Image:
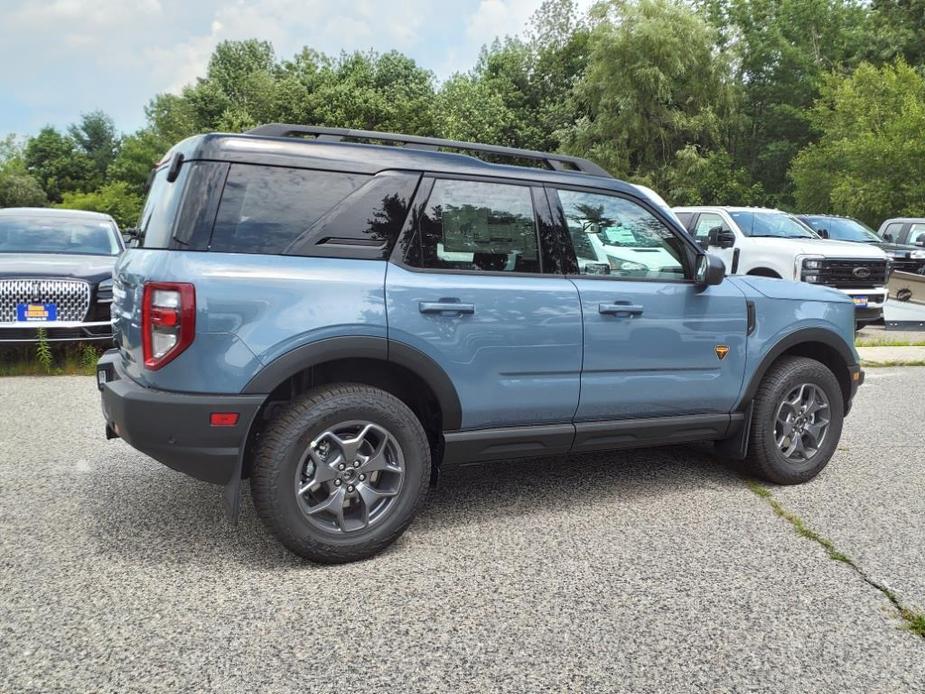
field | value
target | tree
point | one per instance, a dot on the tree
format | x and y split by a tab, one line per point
96	137
654	86
19	189
58	164
897	29
781	51
869	161
116	199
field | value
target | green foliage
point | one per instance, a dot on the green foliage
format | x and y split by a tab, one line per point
116	199
654	86
869	161
43	353
95	136
58	164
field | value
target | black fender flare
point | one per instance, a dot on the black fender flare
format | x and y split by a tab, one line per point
799	337
363	347
348	347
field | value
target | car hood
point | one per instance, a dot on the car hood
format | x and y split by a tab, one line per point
836	249
901	249
784	289
87	267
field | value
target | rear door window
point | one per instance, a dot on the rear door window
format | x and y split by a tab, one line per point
264	209
477	226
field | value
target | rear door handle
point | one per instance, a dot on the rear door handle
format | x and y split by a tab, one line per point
619	309
446	306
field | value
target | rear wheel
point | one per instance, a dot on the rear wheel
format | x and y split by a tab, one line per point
340	474
796	423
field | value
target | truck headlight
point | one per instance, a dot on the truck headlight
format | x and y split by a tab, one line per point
917	255
104	291
807	267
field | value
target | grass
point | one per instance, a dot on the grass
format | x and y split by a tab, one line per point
886	342
49	359
912	620
894	362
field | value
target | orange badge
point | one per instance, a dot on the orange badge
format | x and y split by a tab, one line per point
721	351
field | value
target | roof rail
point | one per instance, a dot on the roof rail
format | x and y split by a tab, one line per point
556	162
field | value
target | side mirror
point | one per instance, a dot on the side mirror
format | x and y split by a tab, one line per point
596	269
710	270
824	233
723	238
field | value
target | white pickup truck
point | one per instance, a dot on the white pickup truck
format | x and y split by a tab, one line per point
771	243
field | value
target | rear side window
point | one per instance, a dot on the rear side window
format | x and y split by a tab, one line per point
265	208
477	226
685	218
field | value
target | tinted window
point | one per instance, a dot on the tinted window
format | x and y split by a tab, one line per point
893	230
38	233
842	229
685	218
265	208
471	225
159	213
363	225
615	236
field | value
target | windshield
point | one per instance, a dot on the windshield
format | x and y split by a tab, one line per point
842	229
773	224
52	234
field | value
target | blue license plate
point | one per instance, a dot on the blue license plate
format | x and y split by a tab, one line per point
36	312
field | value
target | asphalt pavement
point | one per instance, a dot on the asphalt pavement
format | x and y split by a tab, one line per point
652	571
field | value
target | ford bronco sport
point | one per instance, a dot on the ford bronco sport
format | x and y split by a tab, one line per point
337	315
771	243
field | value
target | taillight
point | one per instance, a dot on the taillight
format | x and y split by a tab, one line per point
168	321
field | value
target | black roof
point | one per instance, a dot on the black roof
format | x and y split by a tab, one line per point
344	150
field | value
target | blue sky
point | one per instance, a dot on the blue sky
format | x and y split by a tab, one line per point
61	58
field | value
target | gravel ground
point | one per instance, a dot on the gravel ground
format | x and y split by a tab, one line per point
649	571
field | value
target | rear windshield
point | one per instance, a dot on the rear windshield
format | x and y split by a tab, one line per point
160	210
53	234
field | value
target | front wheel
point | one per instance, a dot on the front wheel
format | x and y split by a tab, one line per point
796	422
340	474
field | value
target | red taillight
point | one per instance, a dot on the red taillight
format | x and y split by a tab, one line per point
168	321
223	419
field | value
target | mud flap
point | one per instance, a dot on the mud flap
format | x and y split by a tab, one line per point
736	446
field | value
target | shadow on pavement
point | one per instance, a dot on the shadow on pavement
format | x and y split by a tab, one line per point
146	513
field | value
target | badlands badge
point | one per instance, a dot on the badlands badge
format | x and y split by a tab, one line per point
721	351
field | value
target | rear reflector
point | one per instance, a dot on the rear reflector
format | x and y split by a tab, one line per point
223	419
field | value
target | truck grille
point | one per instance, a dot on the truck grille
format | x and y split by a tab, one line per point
71	297
853	273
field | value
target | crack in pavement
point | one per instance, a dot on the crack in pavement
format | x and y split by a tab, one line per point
913	621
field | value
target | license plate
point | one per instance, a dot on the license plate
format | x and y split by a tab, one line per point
36	312
860	301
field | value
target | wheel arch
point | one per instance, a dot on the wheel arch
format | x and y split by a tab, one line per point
814	343
764	272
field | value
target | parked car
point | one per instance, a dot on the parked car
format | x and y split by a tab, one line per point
340	320
771	243
56	273
904	257
909	231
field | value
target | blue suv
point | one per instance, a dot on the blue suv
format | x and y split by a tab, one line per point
340	314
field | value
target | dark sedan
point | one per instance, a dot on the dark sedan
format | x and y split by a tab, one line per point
56	273
904	257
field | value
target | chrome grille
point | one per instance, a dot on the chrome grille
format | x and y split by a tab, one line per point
72	297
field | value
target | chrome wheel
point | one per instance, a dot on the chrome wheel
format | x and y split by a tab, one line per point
802	422
349	477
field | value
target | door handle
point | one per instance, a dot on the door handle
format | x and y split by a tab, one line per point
619	309
446	306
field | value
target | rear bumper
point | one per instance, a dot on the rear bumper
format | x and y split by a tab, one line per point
174	428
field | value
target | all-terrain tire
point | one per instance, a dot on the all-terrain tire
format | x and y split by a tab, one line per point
280	455
765	458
